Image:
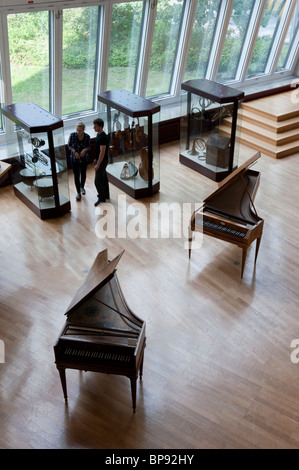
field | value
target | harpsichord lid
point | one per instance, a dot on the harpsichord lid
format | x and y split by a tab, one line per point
239	170
100	273
234	175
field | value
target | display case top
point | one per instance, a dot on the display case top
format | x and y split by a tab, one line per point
32	117
129	103
213	90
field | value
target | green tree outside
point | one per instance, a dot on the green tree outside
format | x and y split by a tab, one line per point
29	43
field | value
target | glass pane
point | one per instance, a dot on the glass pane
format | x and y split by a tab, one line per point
80	26
1	99
164	46
61	165
270	22
289	40
28	36
37	160
236	32
201	39
124	45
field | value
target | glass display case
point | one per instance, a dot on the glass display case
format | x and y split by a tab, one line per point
208	127
36	149
132	123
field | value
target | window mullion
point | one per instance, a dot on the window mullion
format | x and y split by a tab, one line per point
183	46
5	61
145	47
280	37
293	55
140	75
219	38
249	43
56	61
104	46
99	53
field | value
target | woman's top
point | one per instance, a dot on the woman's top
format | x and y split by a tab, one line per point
79	145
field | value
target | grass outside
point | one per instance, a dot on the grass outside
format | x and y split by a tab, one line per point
31	83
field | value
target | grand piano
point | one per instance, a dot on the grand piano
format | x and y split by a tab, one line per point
101	333
229	213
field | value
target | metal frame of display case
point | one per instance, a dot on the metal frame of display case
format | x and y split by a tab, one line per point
215	144
39	169
135	107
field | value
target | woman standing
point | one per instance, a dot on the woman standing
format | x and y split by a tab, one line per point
79	145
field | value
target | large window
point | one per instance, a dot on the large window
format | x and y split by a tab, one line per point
269	25
63	56
79	59
124	45
164	46
291	43
28	37
233	45
1	99
204	25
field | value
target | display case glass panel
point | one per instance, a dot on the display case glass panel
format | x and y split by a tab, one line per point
132	124
36	150
208	128
61	166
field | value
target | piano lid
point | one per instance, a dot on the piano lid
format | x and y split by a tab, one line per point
100	273
234	175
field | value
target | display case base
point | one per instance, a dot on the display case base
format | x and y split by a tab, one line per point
47	209
135	187
210	171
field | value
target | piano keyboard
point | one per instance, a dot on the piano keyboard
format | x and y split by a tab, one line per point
223	228
105	356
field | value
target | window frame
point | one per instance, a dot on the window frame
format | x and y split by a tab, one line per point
278	40
56	8
291	56
217	45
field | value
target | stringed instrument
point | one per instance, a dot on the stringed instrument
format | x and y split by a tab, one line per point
140	138
116	138
143	165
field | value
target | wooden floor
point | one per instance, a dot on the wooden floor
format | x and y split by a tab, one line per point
217	371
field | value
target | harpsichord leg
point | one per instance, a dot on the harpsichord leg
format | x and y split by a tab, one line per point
63	382
244	254
257	246
190	240
133	391
141	368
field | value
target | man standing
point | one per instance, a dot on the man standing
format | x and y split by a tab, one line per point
101	161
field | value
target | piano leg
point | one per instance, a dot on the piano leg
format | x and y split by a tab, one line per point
133	391
63	382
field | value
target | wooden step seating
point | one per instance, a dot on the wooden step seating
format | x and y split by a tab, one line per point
270	124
